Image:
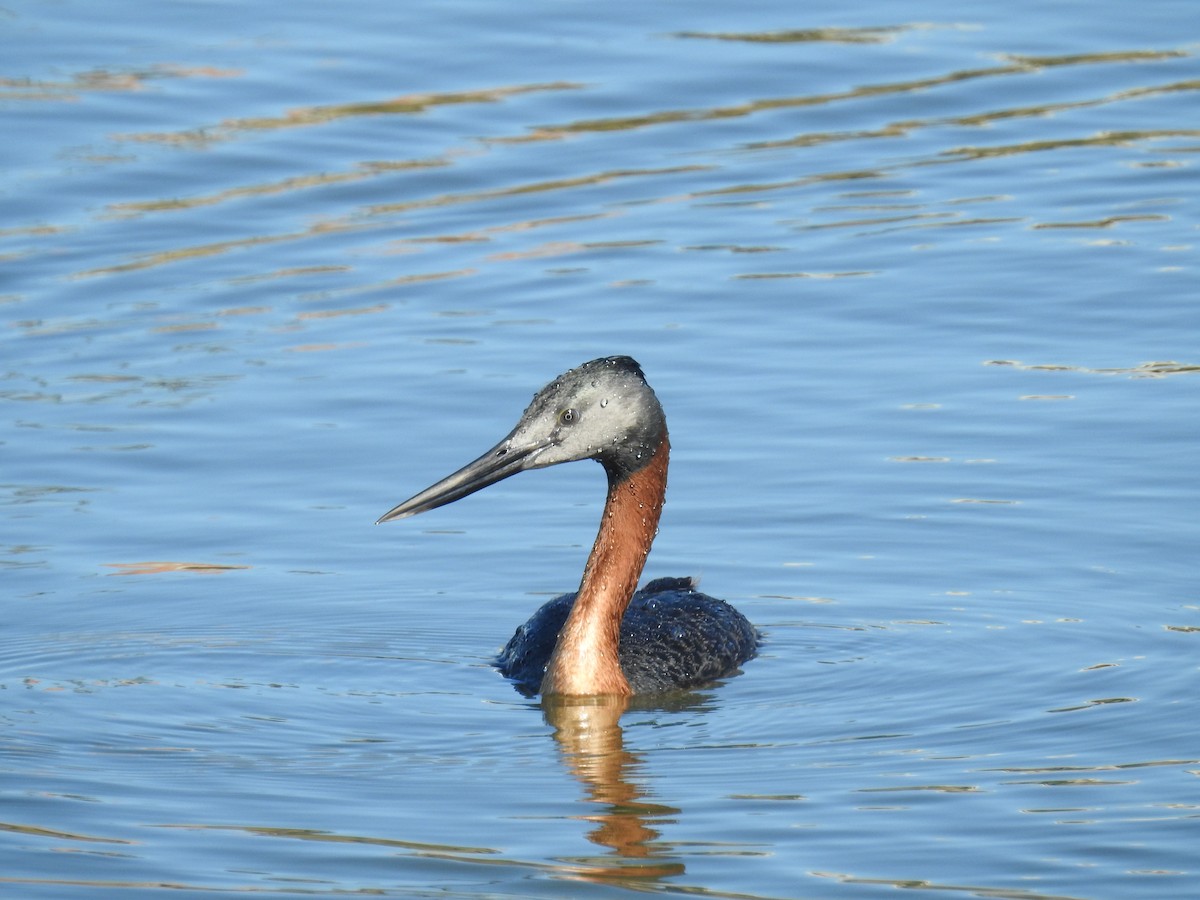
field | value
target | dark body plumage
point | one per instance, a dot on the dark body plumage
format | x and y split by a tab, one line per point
673	638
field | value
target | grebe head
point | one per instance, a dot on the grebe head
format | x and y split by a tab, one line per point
601	410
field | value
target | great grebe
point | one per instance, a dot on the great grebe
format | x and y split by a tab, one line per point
607	638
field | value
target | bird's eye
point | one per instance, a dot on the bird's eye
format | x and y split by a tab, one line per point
568	417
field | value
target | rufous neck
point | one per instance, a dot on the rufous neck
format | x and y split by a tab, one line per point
586	658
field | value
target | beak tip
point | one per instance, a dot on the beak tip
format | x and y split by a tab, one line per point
487	469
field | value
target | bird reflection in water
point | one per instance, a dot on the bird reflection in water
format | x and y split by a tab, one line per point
591	741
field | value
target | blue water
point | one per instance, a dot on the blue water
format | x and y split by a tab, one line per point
916	284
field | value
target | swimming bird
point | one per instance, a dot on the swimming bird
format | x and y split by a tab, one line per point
607	638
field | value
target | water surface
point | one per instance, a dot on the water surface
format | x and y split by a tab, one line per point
916	284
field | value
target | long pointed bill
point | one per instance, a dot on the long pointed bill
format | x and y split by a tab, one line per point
497	464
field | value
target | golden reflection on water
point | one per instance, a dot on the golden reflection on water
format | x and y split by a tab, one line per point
1103	139
150	260
160	567
101	81
530	187
300	182
967	890
1142	370
307	116
61	835
1024	65
355	222
380	215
